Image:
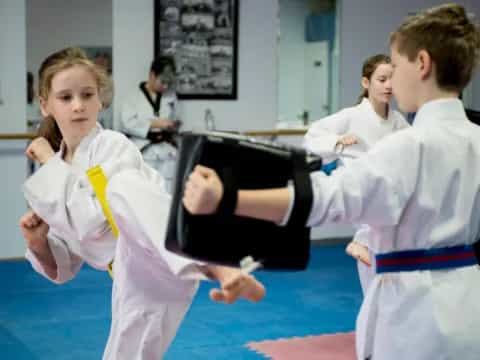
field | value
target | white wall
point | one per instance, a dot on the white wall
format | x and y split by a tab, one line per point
365	28
132	46
12	66
256	106
55	24
291	54
12	120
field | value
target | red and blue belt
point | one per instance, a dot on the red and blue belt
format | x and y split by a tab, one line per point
431	259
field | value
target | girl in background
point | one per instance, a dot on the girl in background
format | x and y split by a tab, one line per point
350	132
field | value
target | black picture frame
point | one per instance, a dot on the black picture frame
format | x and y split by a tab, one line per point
202	37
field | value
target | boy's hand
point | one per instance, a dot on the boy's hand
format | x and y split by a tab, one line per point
359	252
203	191
40	150
235	284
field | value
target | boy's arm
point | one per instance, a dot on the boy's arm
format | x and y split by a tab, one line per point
268	204
373	189
204	190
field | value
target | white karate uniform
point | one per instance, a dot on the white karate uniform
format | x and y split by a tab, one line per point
369	127
136	116
152	288
360	120
418	189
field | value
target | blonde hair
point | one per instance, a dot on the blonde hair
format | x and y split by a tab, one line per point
369	67
52	65
449	37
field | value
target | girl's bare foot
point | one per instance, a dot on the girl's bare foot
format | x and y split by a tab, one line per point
239	286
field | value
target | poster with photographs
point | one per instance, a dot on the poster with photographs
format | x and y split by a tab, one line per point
202	37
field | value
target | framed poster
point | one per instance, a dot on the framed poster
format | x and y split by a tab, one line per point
202	37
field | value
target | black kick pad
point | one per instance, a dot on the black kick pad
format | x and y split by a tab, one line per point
225	238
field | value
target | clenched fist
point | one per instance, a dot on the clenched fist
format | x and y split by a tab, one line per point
35	231
40	150
203	191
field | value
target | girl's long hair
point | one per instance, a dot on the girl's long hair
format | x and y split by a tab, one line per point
59	61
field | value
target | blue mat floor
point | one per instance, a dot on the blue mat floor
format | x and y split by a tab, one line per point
40	320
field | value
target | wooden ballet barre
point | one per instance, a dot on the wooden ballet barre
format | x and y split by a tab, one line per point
19	136
280	132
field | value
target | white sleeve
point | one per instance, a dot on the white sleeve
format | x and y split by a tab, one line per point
372	189
141	207
68	264
62	195
323	134
132	121
362	235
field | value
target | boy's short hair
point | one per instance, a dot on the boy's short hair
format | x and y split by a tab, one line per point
450	38
160	63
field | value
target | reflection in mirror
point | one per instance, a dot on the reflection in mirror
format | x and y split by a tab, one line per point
308	59
55	24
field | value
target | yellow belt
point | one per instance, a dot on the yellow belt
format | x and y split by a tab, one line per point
99	182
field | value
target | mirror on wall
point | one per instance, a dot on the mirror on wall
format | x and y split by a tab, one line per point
55	24
308	60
